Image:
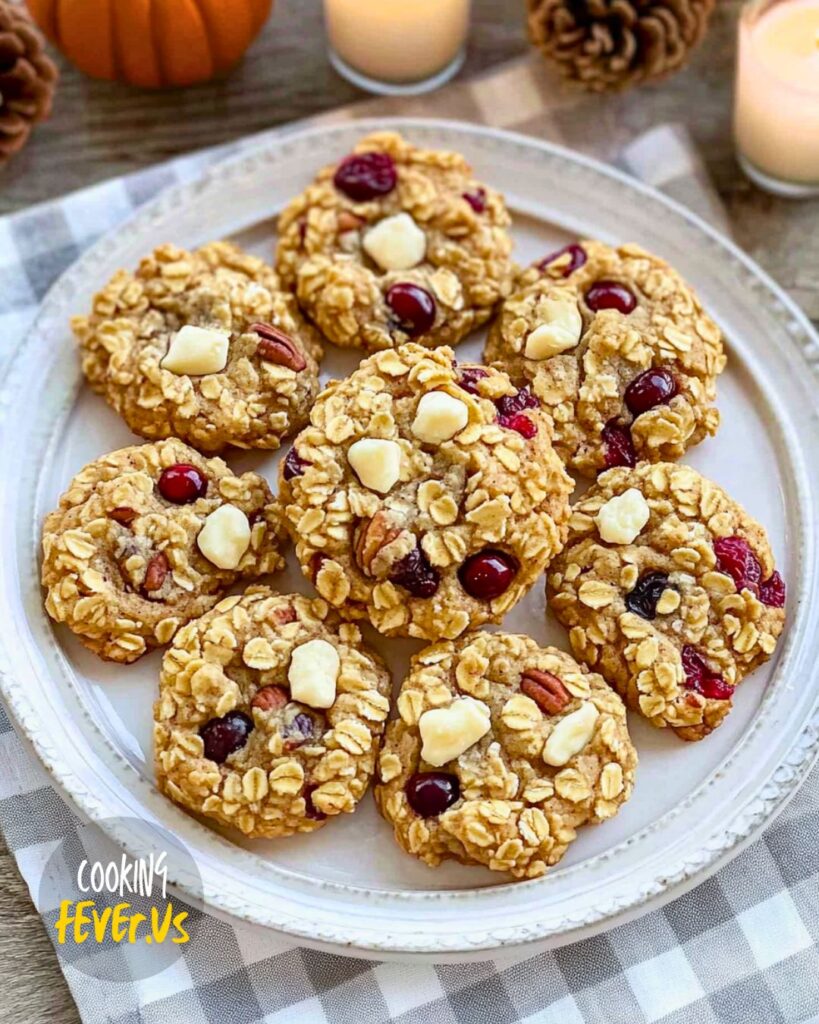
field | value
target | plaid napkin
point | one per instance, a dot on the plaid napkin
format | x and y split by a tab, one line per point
741	947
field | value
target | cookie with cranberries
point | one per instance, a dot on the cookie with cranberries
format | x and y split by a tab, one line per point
424	495
669	589
204	346
270	714
618	349
147	538
500	752
395	244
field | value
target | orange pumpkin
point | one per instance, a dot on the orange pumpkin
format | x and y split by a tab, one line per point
152	43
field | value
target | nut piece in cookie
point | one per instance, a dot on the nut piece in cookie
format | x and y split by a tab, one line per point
204	346
668	588
270	714
618	349
501	751
149	537
424	496
396	243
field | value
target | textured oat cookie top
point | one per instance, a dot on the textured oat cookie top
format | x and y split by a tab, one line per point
618	349
173	349
269	714
550	752
387	217
125	566
668	588
424	495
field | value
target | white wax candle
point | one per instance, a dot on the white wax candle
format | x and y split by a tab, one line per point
397	40
777	96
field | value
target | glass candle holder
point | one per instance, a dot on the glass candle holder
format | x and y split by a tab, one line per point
397	47
776	108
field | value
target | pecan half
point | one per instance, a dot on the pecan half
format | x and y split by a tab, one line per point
270	698
546	690
277	347
373	534
123	515
156	572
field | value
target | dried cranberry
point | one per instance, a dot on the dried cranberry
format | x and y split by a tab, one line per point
182	484
431	793
642	600
772	591
522	424
477	200
577	256
298	730
224	736
470	375
618	448
653	387
294	465
510	405
702	679
610	295
413	308
488	574
365	176
736	559
310	810
416	574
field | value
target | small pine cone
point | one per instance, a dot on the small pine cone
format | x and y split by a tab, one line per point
614	44
27	79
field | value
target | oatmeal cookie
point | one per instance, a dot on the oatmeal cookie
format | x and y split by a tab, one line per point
149	537
203	346
270	714
669	590
502	750
396	243
424	495
617	347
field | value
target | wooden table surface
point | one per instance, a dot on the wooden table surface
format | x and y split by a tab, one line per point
99	130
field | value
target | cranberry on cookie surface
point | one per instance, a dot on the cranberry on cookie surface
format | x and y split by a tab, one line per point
668	589
417	500
149	537
396	243
619	351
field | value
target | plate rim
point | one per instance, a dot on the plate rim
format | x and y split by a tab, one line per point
804	746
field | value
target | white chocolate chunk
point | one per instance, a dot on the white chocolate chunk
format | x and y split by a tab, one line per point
448	732
196	351
225	537
313	674
622	518
396	243
376	463
439	417
570	735
561	329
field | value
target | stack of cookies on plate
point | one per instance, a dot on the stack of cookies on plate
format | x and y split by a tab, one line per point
424	496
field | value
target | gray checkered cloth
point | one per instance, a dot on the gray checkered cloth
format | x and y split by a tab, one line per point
739	949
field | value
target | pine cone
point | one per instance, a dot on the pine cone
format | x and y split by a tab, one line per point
614	44
27	79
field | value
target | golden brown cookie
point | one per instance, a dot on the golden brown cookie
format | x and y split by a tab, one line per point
396	243
669	590
204	346
424	496
270	714
501	751
149	537
619	351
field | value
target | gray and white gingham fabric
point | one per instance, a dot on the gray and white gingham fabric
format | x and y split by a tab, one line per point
742	948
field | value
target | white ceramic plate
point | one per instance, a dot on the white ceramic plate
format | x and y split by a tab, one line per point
348	886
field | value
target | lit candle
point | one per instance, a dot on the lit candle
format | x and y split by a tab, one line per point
777	95
395	46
